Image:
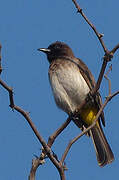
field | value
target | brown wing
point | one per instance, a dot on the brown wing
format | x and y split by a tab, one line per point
86	73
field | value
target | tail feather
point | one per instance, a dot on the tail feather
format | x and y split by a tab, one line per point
103	151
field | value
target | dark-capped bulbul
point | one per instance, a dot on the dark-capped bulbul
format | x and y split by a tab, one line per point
71	81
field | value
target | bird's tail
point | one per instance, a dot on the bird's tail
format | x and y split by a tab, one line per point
103	151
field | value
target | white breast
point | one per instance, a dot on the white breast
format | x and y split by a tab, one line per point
68	85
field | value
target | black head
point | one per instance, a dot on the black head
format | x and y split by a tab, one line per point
57	50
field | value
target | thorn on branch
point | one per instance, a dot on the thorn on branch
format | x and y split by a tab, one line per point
79	10
28	113
64	167
36	162
101	35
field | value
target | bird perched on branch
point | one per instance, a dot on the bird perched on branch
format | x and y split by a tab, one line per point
71	81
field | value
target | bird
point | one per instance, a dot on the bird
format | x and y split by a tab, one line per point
71	81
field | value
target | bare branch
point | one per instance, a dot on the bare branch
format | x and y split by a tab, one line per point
35	163
40	138
106	76
87	129
108	54
10	91
100	77
58	131
79	10
40	160
47	150
114	94
114	49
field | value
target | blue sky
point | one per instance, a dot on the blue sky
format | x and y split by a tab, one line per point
24	27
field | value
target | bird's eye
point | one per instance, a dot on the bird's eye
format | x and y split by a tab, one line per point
58	46
55	47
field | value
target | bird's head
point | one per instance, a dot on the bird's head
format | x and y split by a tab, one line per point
57	50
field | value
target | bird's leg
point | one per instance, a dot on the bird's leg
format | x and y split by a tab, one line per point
75	117
90	98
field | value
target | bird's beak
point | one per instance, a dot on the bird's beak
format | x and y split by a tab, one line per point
45	50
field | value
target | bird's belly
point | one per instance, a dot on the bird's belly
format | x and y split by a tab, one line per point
69	87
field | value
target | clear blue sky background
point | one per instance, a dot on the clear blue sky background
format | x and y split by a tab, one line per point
26	25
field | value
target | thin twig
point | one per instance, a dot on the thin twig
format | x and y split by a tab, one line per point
10	91
109	81
114	49
79	10
58	131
